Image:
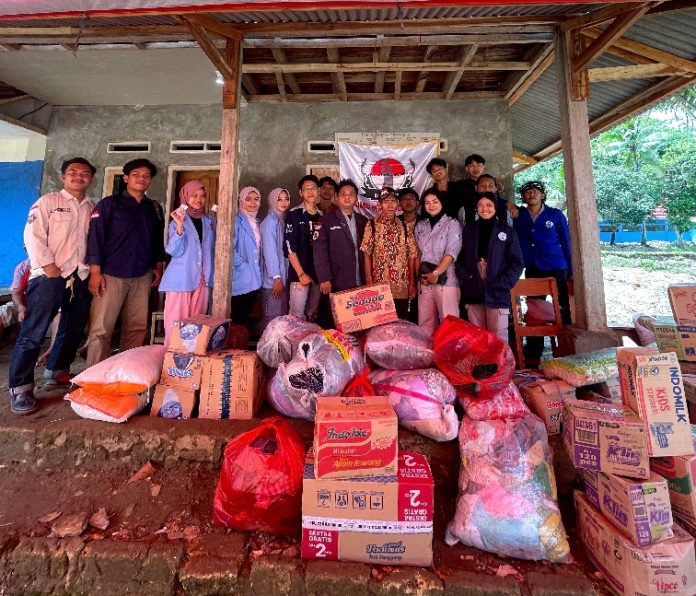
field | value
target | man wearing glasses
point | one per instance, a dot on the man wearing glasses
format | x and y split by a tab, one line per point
301	229
125	252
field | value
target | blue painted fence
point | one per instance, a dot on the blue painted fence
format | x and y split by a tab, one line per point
655	230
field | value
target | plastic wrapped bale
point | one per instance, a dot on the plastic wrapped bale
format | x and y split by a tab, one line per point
474	360
507	491
507	403
283	402
281	337
323	365
400	345
422	399
583	369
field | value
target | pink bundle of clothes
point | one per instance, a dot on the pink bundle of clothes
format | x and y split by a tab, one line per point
507	403
400	345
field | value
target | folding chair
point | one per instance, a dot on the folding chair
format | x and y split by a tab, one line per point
542	286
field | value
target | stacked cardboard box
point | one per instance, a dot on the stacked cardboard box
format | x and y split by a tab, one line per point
678	334
544	396
229	382
364	307
361	499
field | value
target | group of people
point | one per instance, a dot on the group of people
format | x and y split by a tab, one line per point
456	250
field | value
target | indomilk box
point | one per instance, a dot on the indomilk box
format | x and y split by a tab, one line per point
231	385
606	437
638	508
386	520
651	385
663	568
363	307
199	335
355	436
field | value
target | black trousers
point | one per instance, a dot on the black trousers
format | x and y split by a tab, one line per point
242	306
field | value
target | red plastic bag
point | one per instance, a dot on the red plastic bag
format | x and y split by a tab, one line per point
474	360
506	404
360	386
260	487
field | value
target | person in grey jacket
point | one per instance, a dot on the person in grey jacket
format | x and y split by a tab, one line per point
274	288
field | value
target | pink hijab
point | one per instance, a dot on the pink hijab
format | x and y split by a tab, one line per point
185	194
273	201
250	216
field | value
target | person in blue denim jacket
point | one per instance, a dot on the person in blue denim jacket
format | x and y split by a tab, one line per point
246	272
191	244
274	288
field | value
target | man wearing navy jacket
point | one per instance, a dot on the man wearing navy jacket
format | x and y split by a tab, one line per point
545	242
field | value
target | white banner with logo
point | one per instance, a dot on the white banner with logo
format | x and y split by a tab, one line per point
372	167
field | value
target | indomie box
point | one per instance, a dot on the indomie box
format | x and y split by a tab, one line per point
173	402
182	370
639	509
386	520
355	436
605	437
663	568
363	307
680	472
231	385
651	386
199	335
682	299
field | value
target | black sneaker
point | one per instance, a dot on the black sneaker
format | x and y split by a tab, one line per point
23	403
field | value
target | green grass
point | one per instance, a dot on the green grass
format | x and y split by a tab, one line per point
657	256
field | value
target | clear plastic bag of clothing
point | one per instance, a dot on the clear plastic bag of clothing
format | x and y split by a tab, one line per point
400	345
423	400
507	491
281	337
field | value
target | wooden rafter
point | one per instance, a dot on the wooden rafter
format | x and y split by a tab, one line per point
397	85
381	55
520	157
259	68
140	46
249	85
338	80
466	55
515	80
281	86
11	47
596	17
216	27
423	76
608	37
210	49
289	78
636	71
410	95
531	77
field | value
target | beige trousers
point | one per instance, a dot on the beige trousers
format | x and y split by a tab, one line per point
127	297
434	304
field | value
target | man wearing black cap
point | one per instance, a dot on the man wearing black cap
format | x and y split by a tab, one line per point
451	191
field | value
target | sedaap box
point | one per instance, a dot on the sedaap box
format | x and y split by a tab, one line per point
182	370
173	402
663	568
363	307
680	473
355	436
231	385
545	398
605	437
682	299
386	520
199	335
651	385
640	509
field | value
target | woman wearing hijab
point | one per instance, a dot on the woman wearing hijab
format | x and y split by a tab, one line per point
246	275
439	240
191	244
274	290
488	267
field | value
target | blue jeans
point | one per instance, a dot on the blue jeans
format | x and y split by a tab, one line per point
45	296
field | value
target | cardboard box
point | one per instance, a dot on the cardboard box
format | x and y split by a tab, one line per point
362	308
652	387
355	436
680	473
605	437
173	402
639	509
662	568
182	370
232	385
199	335
610	389
545	398
671	337
385	520
682	299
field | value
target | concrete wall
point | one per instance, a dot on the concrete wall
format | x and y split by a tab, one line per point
273	137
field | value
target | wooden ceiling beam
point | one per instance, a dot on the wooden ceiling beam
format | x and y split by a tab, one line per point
647	51
452	79
338	80
397	85
210	49
260	68
216	27
290	79
596	17
672	6
520	157
281	86
531	77
381	55
514	80
11	47
249	85
423	76
608	37
321	97
636	71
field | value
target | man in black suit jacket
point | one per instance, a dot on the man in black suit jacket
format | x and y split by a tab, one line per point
336	249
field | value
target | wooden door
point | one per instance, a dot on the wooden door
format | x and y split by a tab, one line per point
209	178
